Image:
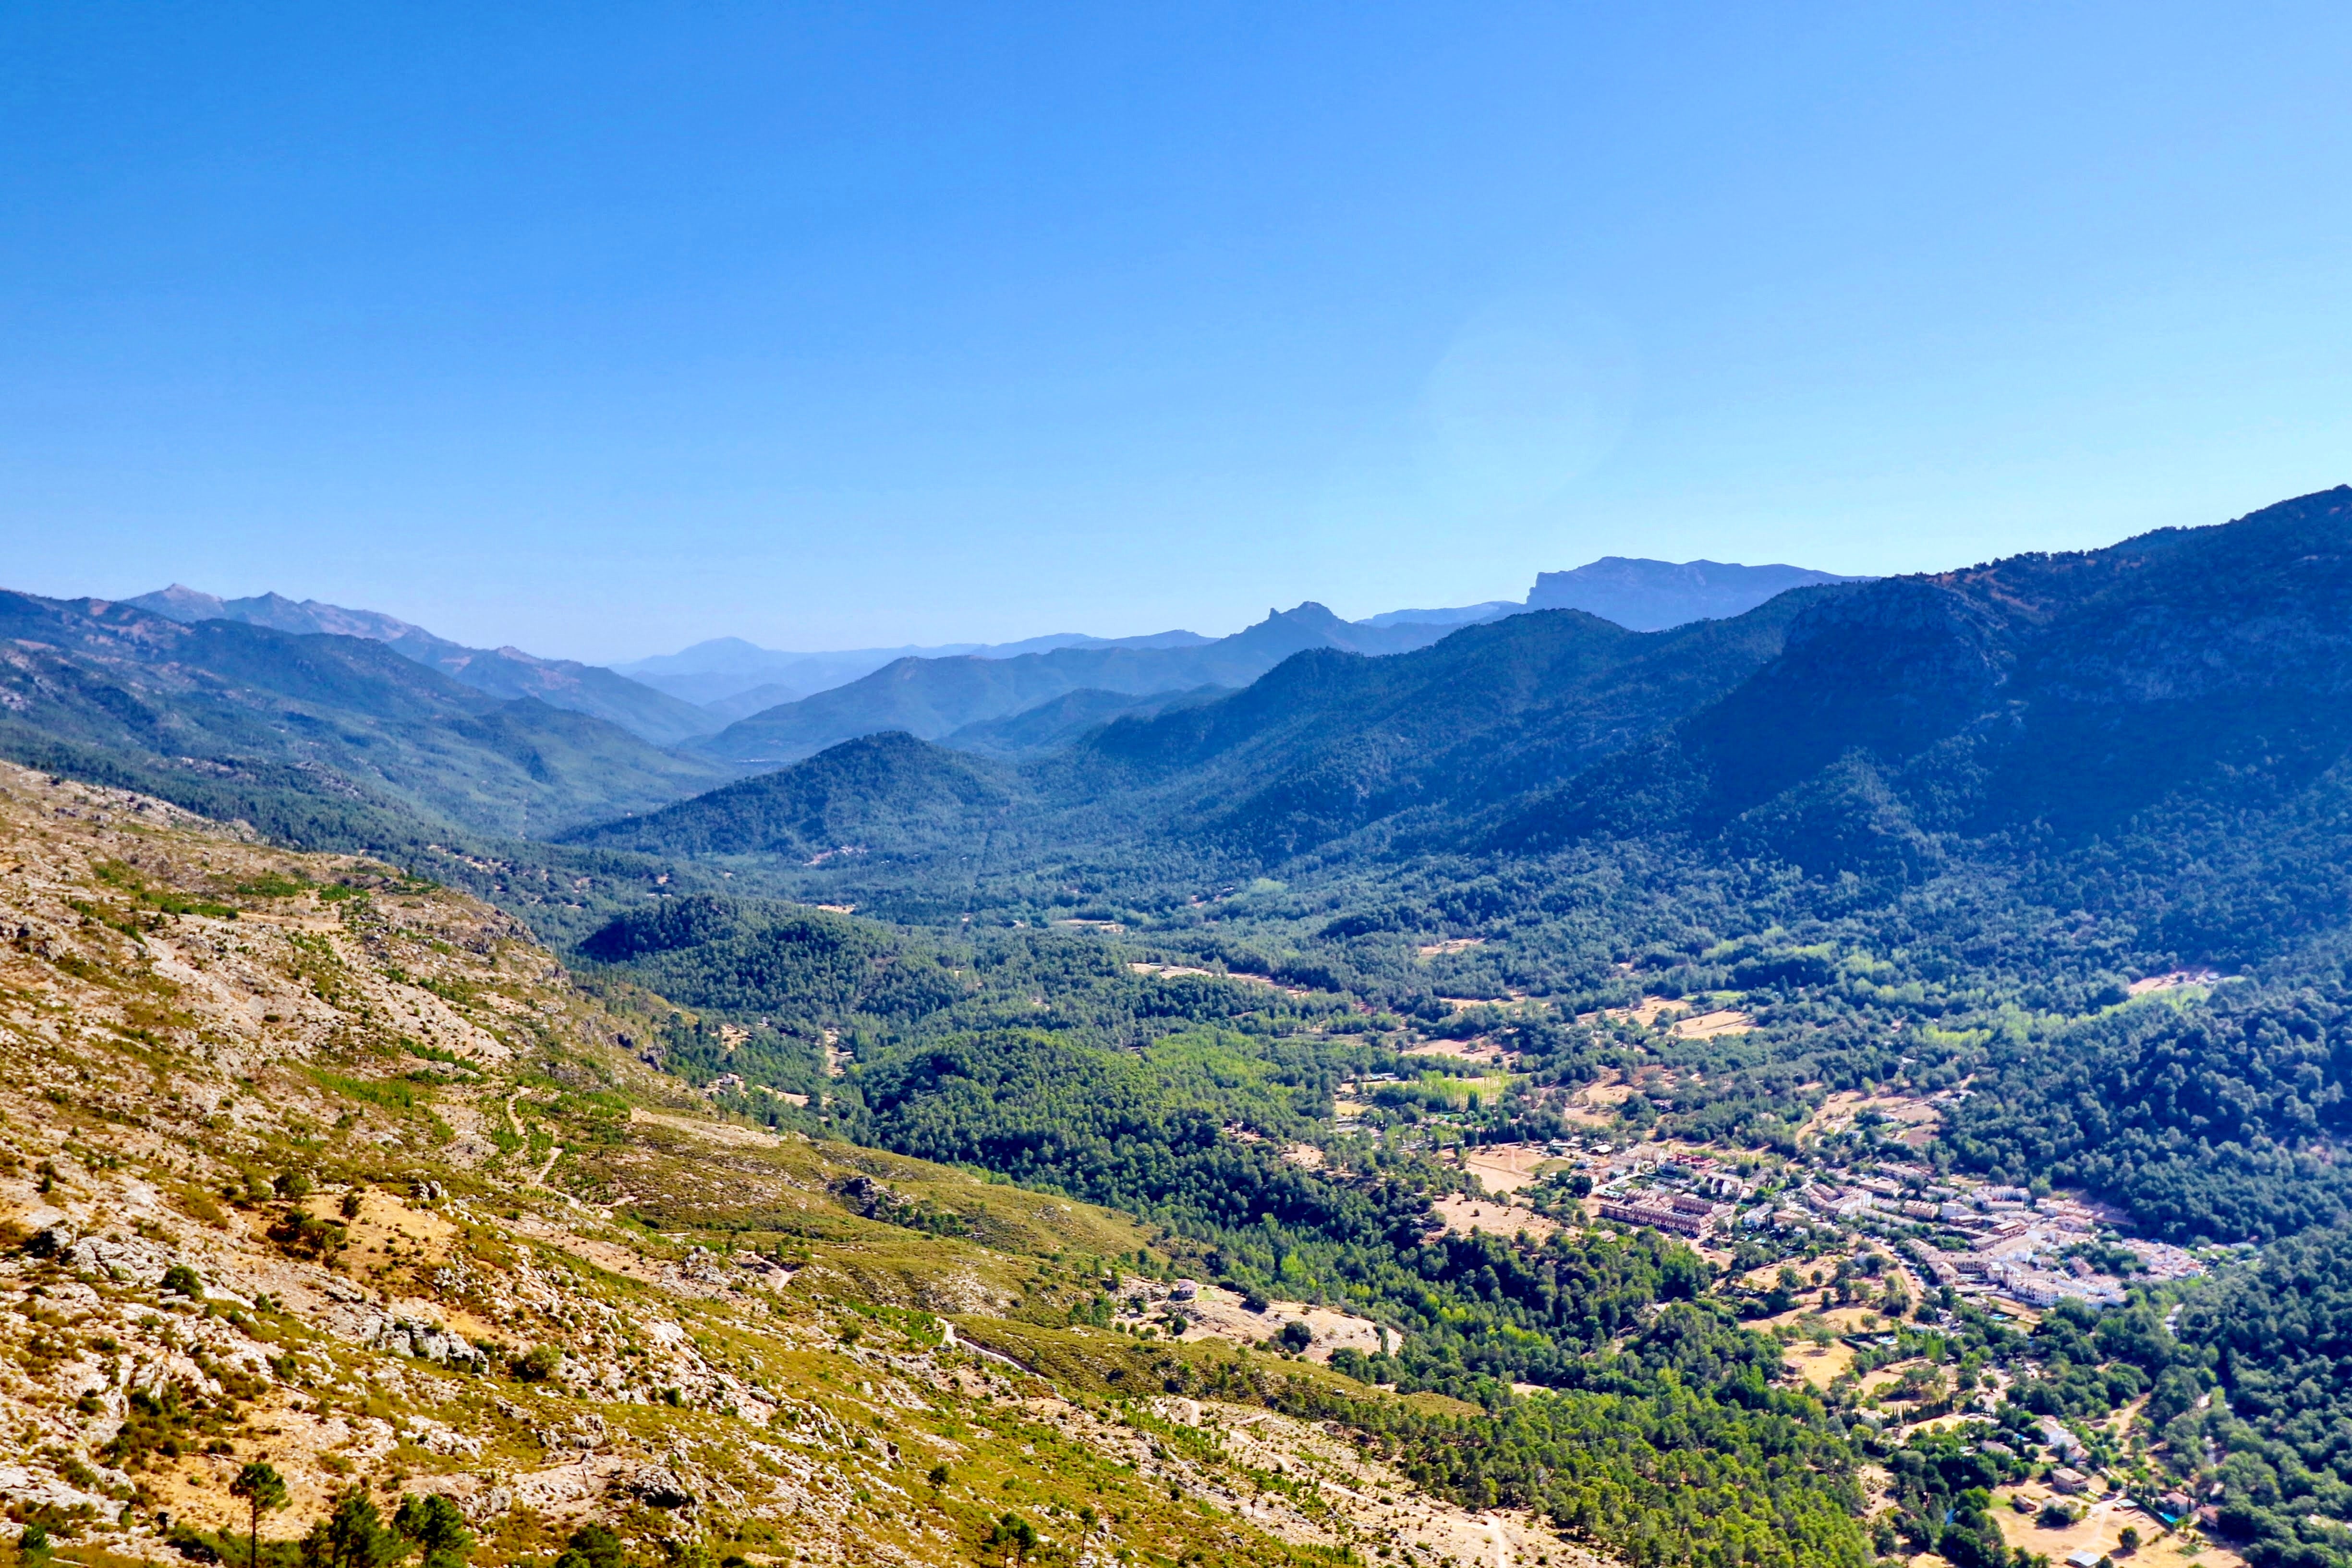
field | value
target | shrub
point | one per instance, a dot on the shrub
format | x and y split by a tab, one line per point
539	1364
308	1236
593	1546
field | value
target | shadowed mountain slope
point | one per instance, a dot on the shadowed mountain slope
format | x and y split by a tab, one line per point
932	697
2072	692
886	792
1327	743
342	718
507	672
2160	730
1060	720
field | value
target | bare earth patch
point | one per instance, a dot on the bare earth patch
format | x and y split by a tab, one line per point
1482	1051
2103	1520
1505	1168
1216	1312
1141	968
724	1132
1463	1215
1918	1119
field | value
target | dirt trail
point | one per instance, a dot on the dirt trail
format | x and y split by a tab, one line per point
725	1132
539	1178
949	1340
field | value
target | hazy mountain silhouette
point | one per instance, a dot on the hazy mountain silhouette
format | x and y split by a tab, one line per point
1654	595
933	697
508	672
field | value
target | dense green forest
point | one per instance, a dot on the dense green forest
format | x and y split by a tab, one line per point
2217	1119
2276	1343
1672	1450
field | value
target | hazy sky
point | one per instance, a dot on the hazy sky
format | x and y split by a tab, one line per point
601	328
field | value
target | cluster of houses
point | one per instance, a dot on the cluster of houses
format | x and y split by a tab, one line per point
2026	1250
2033	1255
1687	1195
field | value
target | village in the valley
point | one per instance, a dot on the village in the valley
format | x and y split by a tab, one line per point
1861	1266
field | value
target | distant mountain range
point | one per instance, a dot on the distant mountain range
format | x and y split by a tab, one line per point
935	699
1658	595
951	698
2161	730
508	672
730	676
290	728
1324	744
730	705
326	724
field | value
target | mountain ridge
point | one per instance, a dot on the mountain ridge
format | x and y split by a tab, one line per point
931	699
1647	595
2011	690
1643	594
508	672
368	724
718	673
1894	731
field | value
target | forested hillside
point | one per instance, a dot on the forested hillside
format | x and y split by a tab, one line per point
2151	733
507	672
2219	1119
342	718
932	697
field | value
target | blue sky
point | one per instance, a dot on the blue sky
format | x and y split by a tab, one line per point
600	330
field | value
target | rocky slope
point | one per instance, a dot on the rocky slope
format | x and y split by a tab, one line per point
303	1160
